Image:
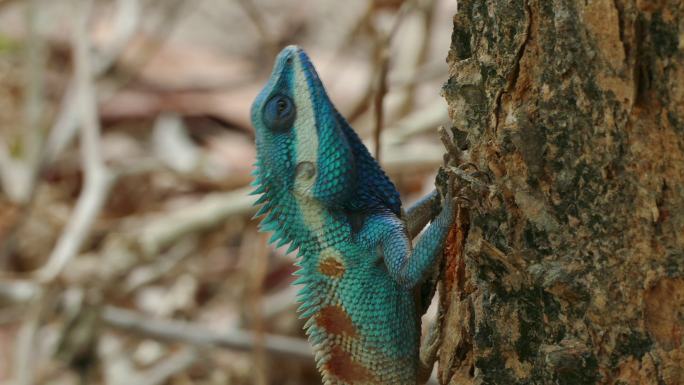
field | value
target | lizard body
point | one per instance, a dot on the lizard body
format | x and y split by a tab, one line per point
322	192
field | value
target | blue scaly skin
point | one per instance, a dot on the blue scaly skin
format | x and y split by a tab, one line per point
324	194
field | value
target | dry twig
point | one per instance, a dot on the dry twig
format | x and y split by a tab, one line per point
209	212
98	179
161	372
177	331
381	75
126	23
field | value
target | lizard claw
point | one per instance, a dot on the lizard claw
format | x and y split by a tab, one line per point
472	181
446	187
472	178
453	154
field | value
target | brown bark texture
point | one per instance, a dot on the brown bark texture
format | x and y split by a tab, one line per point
570	269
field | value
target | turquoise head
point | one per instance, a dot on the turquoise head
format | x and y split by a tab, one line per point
306	149
300	147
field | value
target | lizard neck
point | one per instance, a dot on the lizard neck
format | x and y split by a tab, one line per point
297	219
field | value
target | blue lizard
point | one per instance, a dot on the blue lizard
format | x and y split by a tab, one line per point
324	194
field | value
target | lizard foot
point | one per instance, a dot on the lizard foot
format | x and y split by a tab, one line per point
473	183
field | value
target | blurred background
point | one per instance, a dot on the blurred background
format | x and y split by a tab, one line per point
127	252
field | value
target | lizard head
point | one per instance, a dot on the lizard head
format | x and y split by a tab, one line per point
301	148
307	150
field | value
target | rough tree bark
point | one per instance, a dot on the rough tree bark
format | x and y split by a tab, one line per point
572	269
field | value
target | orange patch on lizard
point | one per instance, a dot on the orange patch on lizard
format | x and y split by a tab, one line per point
330	265
335	320
343	366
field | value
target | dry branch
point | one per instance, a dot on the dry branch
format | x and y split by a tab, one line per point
126	23
178	331
161	372
211	211
98	179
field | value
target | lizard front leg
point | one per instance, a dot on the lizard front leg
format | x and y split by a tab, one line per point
405	265
416	217
409	266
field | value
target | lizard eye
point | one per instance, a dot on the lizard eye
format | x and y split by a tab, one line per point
279	112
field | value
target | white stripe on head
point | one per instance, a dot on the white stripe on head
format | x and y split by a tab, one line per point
306	134
306	144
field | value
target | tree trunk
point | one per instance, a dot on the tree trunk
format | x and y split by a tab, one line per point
571	270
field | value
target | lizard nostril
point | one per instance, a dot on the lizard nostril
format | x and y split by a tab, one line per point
305	170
